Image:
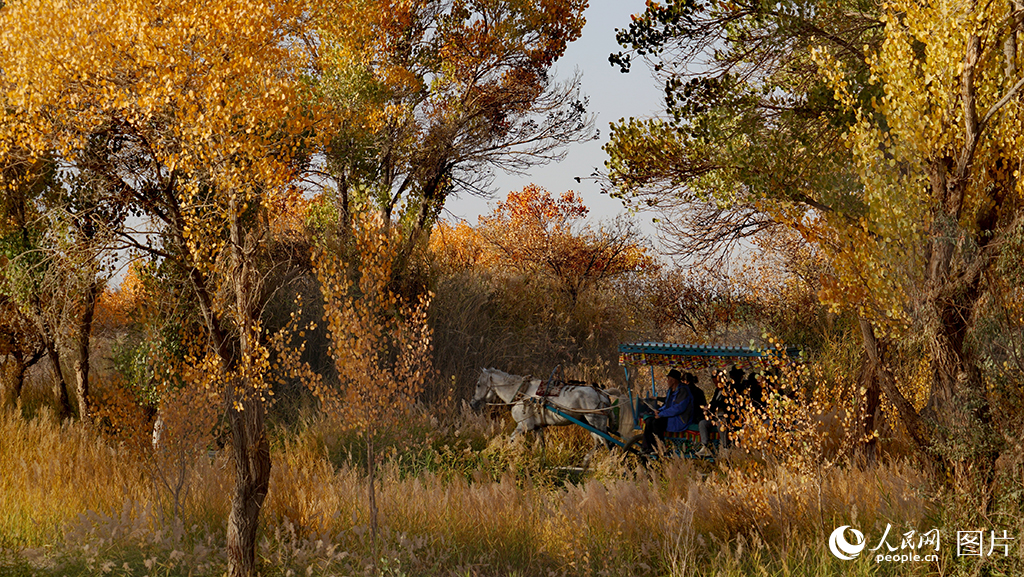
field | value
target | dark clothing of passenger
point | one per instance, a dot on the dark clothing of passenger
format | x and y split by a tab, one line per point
677	409
718	402
753	387
653	427
700	400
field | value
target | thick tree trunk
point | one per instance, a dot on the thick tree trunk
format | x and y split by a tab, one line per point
252	480
958	258
84	339
246	411
251	448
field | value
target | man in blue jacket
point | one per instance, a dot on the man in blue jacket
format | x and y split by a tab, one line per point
674	415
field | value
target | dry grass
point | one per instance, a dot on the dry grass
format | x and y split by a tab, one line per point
72	504
53	473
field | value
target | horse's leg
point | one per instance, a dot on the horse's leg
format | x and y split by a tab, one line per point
599	422
524	422
590	455
539	439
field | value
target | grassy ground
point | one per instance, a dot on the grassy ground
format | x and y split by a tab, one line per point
455	498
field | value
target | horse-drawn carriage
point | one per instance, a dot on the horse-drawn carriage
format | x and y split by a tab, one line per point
633	357
537	403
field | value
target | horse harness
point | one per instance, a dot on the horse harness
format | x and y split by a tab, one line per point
552	387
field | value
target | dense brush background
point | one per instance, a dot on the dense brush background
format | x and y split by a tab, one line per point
454	497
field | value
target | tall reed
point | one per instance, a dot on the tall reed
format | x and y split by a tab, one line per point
72	504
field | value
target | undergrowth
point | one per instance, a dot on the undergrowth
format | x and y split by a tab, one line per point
457	500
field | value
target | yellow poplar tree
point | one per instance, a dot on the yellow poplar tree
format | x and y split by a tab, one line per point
380	344
430	94
942	198
187	113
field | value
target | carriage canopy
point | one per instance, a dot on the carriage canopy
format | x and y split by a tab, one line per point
698	357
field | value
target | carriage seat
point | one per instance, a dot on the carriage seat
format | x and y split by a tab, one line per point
692	434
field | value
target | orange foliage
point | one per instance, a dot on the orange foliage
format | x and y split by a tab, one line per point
535	207
115	307
380	345
459	247
536	233
287	212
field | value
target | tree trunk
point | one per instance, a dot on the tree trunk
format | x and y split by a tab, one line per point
84	339
252	480
870	396
246	411
60	390
958	404
18	377
12	374
875	352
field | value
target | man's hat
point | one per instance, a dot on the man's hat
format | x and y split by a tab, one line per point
675	375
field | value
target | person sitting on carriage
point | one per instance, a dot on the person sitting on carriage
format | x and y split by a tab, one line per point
754	390
673	416
736	375
699	399
700	403
721	410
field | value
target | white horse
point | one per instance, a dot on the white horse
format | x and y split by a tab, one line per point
581	402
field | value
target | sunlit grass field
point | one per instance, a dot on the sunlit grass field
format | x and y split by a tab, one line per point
455	498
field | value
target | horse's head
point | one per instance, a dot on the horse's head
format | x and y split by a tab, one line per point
484	389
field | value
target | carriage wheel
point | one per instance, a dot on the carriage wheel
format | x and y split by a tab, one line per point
633	443
633	451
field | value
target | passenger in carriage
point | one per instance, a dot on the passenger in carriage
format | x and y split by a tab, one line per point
721	410
736	375
673	416
754	389
700	402
699	399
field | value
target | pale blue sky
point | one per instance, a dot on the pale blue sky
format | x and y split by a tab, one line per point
613	95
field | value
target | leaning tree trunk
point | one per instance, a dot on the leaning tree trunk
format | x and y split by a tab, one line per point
870	402
912	422
49	343
60	391
84	339
246	413
13	373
